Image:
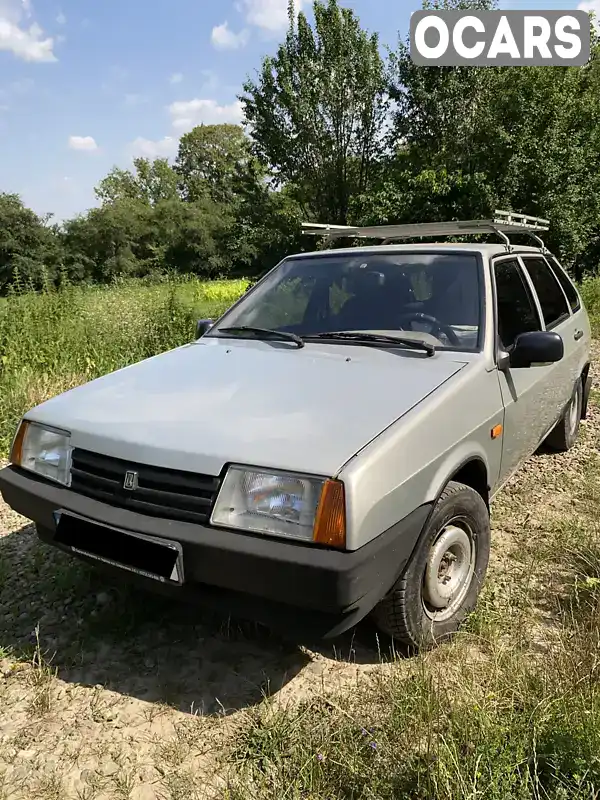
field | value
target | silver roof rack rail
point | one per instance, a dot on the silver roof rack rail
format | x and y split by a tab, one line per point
503	222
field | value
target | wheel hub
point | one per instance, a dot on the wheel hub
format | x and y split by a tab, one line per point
448	572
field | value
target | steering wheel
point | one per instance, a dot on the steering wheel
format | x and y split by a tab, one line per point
436	325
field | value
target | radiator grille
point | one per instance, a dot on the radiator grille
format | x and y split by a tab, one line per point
158	492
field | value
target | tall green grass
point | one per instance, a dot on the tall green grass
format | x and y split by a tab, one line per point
57	339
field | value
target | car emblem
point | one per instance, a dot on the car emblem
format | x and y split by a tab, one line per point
131	480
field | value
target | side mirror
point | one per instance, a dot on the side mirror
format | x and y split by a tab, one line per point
202	326
536	348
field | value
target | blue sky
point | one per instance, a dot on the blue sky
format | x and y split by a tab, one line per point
86	85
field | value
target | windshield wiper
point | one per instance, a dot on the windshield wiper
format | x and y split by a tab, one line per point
356	336
264	333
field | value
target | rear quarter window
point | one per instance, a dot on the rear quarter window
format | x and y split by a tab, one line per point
552	299
566	284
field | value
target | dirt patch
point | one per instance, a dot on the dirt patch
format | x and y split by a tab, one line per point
107	692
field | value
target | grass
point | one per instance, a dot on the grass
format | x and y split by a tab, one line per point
460	724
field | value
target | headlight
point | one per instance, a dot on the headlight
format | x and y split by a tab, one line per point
42	450
282	504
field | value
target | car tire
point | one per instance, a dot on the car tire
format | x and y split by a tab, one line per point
413	612
564	435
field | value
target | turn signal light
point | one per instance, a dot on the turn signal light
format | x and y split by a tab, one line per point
16	450
330	522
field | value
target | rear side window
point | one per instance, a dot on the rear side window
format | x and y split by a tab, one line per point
566	284
516	307
551	297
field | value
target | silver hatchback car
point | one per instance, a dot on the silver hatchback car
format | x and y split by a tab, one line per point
328	448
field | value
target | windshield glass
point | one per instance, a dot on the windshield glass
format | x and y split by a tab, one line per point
434	297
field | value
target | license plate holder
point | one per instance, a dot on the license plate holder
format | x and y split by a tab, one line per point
149	556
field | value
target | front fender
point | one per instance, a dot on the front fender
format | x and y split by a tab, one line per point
452	463
411	462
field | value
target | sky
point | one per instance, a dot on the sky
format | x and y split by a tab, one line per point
85	85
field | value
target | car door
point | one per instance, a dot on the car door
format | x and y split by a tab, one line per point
527	413
557	317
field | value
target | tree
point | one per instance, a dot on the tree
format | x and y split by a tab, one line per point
266	228
323	142
129	238
191	237
431	195
210	160
317	110
109	242
522	138
438	109
29	248
216	165
149	182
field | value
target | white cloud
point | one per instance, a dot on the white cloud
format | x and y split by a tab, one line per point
176	77
87	143
187	114
591	5
269	15
155	149
25	41
223	38
61	19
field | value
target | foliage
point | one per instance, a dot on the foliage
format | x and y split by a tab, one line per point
318	108
150	182
29	249
527	137
211	160
427	196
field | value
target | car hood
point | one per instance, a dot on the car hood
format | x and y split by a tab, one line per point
215	401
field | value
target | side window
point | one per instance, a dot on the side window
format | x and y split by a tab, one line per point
566	284
551	297
516	308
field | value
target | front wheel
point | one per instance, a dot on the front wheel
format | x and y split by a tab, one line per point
440	586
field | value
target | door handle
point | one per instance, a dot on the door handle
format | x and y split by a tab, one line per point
577	335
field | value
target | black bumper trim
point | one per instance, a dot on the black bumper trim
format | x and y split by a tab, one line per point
256	577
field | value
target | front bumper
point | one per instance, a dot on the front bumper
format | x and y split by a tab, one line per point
292	587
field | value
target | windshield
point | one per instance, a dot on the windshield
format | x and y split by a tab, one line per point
432	297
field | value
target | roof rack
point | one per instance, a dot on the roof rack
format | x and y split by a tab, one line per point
502	223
